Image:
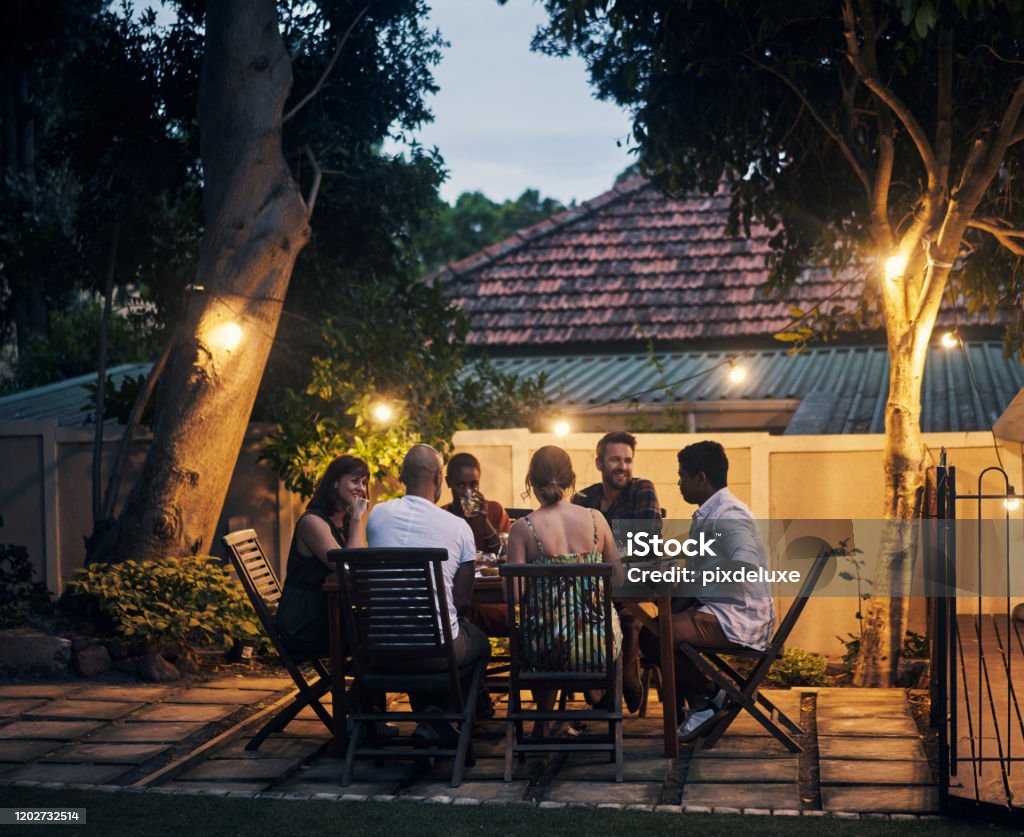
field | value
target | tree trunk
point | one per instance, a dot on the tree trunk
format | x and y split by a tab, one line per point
885	614
256	223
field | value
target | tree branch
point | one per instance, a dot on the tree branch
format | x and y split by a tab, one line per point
834	135
868	73
1005	235
944	108
330	66
317	177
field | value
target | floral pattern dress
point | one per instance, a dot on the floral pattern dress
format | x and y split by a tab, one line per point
560	613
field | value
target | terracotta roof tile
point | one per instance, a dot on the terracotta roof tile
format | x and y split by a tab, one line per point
632	265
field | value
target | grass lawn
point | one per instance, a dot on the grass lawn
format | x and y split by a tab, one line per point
142	815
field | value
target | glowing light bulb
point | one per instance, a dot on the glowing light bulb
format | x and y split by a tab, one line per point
949	340
894	266
227	336
562	428
1012	502
738	374
382	412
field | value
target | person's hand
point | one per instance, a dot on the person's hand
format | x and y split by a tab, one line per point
473	504
359	507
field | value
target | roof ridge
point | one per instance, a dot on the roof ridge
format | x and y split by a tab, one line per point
540	229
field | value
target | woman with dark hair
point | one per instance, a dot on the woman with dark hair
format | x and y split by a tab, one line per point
334	518
562	533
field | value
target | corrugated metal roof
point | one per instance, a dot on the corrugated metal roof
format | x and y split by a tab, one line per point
843	389
67	401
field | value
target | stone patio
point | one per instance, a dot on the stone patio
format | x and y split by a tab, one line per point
866	754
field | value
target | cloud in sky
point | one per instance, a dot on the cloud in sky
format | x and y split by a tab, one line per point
507	119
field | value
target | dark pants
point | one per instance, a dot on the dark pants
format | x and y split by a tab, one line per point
491	618
631	627
700	630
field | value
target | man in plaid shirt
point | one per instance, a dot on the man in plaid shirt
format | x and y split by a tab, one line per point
621	496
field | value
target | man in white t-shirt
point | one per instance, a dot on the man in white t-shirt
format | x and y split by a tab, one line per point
415	521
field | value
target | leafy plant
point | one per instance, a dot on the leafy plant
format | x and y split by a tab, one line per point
797	667
190	601
916	646
844	551
20	596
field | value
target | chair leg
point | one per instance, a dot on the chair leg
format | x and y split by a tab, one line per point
461	752
618	751
350	756
510	738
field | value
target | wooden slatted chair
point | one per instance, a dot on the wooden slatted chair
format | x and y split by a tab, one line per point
743	691
264	591
538	589
396	608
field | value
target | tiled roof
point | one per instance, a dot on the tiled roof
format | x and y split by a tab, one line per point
632	265
67	401
842	389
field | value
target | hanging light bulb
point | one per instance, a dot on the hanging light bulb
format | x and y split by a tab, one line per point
383	412
949	340
562	428
1012	501
737	373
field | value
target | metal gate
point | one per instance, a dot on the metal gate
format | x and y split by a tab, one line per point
977	650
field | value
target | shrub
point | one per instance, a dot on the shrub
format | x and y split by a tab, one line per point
797	667
20	596
191	600
915	647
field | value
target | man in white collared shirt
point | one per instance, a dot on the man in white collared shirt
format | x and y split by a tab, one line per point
736	617
415	521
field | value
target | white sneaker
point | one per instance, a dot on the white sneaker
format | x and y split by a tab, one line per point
697	723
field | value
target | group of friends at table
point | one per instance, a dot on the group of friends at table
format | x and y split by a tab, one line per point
568	527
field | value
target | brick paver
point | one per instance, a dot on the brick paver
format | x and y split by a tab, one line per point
101	710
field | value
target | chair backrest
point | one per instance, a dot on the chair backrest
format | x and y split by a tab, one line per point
793	614
563	625
395	603
258	580
515	514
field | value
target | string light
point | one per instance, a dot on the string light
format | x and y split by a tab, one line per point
737	373
895	266
562	428
1012	501
949	340
383	412
227	336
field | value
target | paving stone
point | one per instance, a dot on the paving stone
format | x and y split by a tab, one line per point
51	730
104	710
37	690
881	798
108	753
868	728
230	787
874	749
626	793
90	774
246	770
302	728
633	770
329	770
264	684
153	732
13	707
858	772
482	791
186	712
704	769
292	748
124	692
206	695
767	795
25	750
746	746
359	788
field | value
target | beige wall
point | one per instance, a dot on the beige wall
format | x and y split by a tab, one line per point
779	477
46	495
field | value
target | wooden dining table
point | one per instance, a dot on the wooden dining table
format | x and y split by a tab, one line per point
490	590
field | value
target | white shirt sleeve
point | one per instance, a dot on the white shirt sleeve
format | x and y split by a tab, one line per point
467	544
